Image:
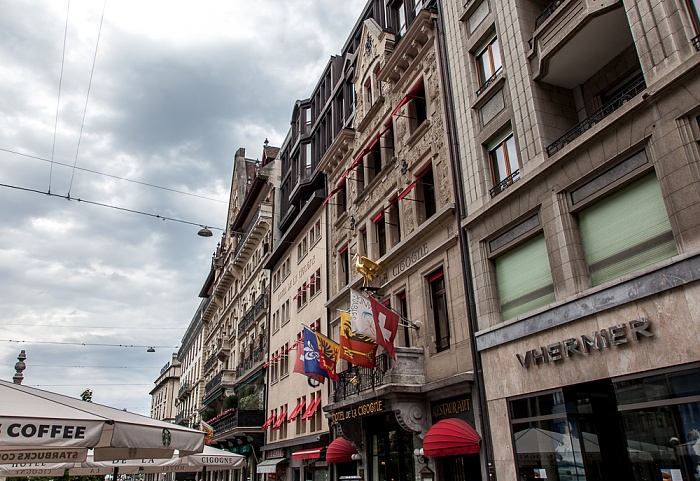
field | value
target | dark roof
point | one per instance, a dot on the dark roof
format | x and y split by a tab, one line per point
269	154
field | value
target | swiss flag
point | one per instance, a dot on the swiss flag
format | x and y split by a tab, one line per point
387	323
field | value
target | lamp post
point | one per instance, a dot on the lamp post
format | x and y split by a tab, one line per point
19	367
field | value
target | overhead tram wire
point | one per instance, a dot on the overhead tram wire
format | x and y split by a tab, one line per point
18	341
87	96
97	327
125	179
58	100
124	209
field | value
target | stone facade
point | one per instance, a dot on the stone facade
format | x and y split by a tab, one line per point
163	395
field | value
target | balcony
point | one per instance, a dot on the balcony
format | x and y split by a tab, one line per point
236	421
223	349
253	360
615	103
210	363
184	390
388	375
696	42
252	315
222	379
258	225
504	184
573	39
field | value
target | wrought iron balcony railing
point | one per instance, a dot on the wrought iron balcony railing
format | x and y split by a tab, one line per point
504	184
184	390
696	42
252	314
238	419
548	11
251	361
357	379
489	81
213	384
607	109
210	363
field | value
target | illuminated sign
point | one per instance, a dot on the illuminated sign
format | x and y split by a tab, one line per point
365	409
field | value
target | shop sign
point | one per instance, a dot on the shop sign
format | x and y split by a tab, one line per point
616	335
366	409
275	453
457	407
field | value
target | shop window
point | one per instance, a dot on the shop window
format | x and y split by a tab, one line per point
626	231
391	452
524	278
438	297
380	233
417	108
503	159
488	61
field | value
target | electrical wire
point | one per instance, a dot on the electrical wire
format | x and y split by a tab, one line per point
113	176
58	100
97	327
87	96
98	367
85	344
100	204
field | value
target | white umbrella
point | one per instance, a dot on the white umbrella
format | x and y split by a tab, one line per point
41	426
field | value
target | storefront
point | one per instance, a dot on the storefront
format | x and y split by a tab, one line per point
638	427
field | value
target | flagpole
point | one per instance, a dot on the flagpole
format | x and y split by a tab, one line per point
407	324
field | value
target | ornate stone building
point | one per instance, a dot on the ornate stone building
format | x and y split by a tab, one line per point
164	394
191	388
578	125
391	200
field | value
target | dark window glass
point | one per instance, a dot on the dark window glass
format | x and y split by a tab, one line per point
439	297
428	184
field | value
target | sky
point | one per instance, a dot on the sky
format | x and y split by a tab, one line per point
155	98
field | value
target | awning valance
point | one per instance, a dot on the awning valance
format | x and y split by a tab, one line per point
340	451
314	453
451	437
269	466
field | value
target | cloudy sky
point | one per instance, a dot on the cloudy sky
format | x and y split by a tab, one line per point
177	87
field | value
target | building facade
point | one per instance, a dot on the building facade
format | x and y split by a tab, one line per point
578	128
191	388
392	202
164	394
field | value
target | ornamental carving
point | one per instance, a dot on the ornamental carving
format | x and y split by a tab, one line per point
411	417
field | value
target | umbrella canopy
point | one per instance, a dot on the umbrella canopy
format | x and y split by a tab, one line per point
41	426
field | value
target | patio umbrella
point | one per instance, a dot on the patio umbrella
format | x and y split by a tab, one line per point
41	426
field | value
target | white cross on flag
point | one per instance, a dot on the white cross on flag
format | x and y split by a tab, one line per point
386	322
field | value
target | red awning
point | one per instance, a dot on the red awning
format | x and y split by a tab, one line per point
340	451
407	190
314	453
280	420
311	409
269	421
297	410
408	97
451	437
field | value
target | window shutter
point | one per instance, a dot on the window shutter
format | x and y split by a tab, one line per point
524	278
626	231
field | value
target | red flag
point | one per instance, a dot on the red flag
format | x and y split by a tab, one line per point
387	323
356	348
328	351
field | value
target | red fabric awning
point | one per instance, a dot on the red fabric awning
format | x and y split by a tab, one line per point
280	420
297	410
408	97
269	421
311	409
314	453
451	437
407	190
340	451
378	217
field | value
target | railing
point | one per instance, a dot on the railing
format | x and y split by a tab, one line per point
184	389
357	379
489	81
247	232
696	42
211	362
611	106
238	419
213	384
260	306
547	12
257	356
504	184
252	314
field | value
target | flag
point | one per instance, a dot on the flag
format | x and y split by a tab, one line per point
328	355
361	317
208	430
355	348
312	358
386	323
299	362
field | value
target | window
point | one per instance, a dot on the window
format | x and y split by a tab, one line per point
284	361
503	158
488	61
403	312
368	92
342	199
694	10
401	19
315	233
343	267
380	231
626	231
373	161
363	241
524	279
418	108
273	368
425	188
438	296
315	284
